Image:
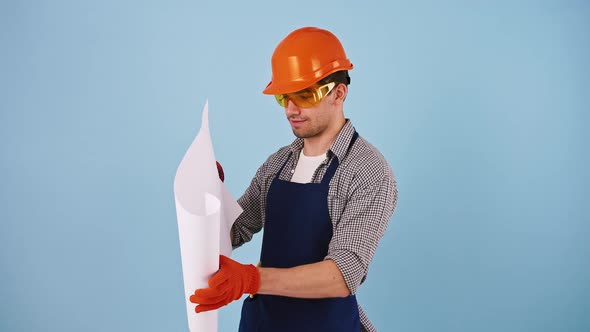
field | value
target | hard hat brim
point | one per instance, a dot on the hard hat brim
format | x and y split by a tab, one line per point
277	87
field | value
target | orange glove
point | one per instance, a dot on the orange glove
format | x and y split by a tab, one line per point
228	284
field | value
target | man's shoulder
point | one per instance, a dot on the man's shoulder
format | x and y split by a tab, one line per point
276	159
367	161
280	154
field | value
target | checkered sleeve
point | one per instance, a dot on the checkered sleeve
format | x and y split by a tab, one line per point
364	220
249	222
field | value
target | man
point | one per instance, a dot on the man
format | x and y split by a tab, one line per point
324	202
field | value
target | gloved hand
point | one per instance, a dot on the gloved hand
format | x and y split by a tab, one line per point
220	171
228	284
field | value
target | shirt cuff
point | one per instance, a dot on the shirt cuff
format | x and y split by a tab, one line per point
350	266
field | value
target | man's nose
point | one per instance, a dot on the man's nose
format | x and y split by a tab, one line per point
291	108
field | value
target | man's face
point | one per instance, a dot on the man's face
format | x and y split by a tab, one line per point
313	121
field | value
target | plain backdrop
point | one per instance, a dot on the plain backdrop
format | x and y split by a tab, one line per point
480	107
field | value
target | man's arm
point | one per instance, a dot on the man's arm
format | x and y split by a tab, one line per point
311	281
363	223
249	222
317	280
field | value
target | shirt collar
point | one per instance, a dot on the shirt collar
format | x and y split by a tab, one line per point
338	148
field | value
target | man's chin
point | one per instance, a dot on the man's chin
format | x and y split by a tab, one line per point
299	134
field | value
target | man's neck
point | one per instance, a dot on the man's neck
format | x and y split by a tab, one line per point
315	146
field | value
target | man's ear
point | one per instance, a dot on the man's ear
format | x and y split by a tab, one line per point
340	92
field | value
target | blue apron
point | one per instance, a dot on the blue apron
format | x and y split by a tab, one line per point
297	231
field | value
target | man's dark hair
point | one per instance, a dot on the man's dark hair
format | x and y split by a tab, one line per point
337	77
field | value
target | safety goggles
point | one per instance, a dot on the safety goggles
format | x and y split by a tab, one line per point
308	97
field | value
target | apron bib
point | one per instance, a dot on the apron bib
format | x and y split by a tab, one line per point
297	231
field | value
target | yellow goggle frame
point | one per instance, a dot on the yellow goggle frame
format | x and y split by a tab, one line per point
307	97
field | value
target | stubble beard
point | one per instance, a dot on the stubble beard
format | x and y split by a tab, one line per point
308	132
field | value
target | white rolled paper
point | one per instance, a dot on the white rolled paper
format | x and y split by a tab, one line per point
205	212
199	241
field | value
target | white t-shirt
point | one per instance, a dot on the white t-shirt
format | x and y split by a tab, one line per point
306	166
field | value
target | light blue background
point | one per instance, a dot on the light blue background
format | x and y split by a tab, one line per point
481	108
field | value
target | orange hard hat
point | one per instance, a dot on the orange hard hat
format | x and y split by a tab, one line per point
303	58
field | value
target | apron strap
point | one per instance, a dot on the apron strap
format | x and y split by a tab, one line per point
335	163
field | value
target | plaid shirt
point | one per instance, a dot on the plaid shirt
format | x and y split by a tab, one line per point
361	199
